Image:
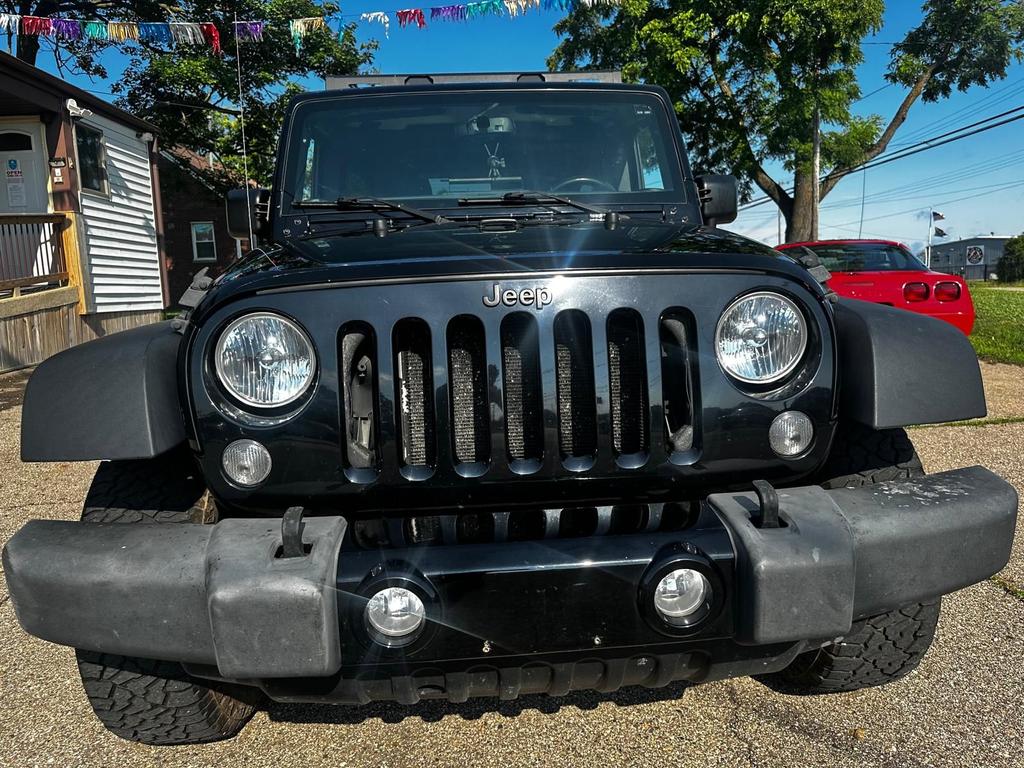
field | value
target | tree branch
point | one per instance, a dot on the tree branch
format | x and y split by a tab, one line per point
768	185
836	174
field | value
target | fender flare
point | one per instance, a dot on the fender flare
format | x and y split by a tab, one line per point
112	398
901	368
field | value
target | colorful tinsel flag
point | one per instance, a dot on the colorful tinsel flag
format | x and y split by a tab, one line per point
212	35
302	28
155	32
187	33
35	25
485	8
411	16
378	17
249	31
9	23
96	30
120	31
517	7
67	29
448	13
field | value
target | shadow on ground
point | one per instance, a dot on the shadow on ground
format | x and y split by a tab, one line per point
432	711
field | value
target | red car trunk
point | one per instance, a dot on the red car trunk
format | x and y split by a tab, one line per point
886	272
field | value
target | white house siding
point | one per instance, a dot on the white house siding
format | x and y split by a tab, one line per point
123	263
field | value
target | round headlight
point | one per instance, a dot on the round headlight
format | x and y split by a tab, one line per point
760	338
265	360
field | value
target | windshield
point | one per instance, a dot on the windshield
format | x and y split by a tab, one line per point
433	149
865	257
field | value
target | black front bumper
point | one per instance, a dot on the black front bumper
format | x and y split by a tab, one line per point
530	616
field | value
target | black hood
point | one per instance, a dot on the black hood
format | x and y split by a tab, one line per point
428	253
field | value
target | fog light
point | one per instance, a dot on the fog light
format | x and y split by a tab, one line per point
790	433
246	463
680	594
395	612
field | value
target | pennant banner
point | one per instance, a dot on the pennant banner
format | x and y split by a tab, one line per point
207	33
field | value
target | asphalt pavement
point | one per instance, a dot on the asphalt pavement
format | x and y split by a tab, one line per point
962	707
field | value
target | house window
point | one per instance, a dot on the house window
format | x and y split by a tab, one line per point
13	141
204	248
92	159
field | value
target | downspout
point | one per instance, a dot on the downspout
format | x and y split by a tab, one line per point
158	215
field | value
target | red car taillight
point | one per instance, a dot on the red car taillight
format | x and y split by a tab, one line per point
947	291
915	291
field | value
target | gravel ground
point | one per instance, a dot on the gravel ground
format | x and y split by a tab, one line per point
960	708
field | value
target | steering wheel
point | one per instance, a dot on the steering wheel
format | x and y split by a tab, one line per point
579	181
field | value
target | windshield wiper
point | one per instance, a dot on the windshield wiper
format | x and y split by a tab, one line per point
370	204
529	197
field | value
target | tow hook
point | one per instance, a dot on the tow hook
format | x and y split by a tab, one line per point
291	533
769	502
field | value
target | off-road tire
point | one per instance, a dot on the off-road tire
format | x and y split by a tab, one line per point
878	650
882	648
864	456
144	700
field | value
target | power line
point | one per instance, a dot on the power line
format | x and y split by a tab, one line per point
918	147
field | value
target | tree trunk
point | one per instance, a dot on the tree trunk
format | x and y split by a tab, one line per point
27	49
800	218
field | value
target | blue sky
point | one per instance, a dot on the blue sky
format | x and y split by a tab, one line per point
970	181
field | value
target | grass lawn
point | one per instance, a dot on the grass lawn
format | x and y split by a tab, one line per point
999	328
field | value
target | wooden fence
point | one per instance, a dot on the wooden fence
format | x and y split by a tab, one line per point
32	253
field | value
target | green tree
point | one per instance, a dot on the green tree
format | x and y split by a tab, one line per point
191	93
1011	265
749	78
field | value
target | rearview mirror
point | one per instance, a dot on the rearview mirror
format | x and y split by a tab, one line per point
248	212
719	198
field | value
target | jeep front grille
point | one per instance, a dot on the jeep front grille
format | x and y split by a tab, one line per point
523	393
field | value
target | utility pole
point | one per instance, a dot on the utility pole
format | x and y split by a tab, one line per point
928	248
816	171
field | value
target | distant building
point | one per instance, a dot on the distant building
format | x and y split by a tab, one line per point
195	224
974	258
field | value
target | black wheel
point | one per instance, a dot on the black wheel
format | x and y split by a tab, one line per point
878	650
864	456
881	648
145	700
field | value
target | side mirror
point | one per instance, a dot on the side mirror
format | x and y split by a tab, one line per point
719	198
248	212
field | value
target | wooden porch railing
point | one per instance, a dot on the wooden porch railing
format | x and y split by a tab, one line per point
33	252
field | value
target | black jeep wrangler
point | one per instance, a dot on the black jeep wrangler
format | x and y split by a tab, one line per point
497	410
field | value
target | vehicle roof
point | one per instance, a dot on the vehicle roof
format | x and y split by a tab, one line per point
531	85
841	241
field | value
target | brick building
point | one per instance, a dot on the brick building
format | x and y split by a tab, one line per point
195	225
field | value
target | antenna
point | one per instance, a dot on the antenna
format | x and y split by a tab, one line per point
245	150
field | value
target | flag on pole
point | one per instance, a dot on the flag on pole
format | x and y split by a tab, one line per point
936	216
939	232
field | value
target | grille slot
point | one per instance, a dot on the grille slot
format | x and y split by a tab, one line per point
531	524
414	392
468	390
574	360
627	380
524	416
358	352
677	377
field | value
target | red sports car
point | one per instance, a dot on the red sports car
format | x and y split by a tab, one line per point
886	272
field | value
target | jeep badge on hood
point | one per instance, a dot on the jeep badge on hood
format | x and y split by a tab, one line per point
539	297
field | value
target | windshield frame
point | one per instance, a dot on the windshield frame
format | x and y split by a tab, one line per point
679	202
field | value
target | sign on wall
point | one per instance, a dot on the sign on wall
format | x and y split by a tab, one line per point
975	254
